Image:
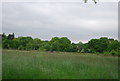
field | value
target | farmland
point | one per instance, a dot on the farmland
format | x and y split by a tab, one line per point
18	64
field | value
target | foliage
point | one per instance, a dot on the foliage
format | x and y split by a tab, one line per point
92	0
99	45
102	45
113	52
11	36
34	44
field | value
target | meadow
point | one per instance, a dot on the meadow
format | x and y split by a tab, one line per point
0	63
18	64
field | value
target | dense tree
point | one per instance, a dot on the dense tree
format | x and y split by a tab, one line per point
102	45
0	41
24	40
86	49
5	44
54	44
64	43
45	46
72	48
59	44
4	36
98	45
33	44
79	46
11	36
113	45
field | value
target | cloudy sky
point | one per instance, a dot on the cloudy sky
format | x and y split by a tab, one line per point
77	21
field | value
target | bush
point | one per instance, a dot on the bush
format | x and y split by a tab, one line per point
42	49
106	52
114	52
21	47
118	53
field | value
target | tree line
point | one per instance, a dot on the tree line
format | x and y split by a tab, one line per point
102	45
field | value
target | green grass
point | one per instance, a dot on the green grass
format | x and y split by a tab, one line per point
44	65
0	64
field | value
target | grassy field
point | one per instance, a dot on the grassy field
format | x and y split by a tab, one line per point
44	65
0	64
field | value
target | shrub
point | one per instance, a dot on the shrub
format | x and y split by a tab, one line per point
114	52
21	47
42	49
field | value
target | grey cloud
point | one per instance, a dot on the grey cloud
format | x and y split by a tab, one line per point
77	21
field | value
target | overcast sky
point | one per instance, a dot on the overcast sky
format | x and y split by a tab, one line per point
77	21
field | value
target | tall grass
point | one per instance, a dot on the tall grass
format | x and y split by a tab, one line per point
44	65
0	64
